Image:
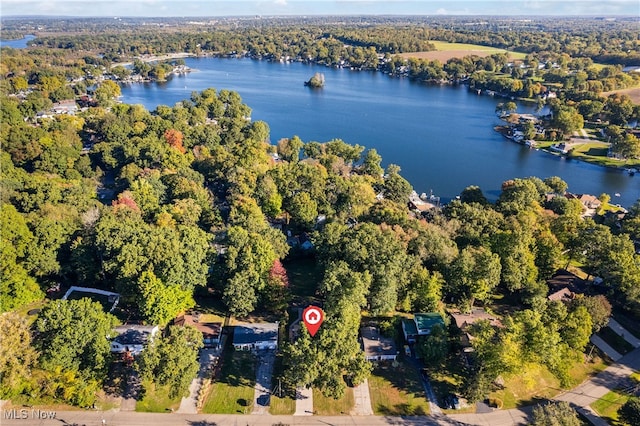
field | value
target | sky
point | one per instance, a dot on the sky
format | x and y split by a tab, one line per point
195	8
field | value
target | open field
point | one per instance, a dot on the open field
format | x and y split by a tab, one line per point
446	51
633	93
156	399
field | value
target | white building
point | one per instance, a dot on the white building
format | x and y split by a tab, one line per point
253	337
132	338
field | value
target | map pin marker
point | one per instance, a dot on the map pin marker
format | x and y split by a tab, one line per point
312	317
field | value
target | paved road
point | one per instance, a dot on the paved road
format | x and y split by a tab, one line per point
362	398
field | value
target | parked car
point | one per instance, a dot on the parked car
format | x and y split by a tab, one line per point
407	350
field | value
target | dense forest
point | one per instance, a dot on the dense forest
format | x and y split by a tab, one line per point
169	206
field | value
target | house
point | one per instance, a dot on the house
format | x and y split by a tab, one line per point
562	295
565	279
420	326
589	202
377	347
258	336
425	322
132	338
409	330
465	319
65	107
210	330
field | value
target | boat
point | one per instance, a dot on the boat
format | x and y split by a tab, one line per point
617	194
632	171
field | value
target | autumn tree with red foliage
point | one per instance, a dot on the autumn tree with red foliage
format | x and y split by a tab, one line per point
278	273
125	199
174	139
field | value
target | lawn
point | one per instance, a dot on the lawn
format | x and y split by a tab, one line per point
530	383
615	341
596	152
324	406
445	51
283	399
304	276
156	399
608	406
232	391
397	391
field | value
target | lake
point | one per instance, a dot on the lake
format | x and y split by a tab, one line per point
441	136
17	44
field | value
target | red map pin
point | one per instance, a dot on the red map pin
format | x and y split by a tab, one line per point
312	317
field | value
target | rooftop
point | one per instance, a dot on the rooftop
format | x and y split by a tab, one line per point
465	319
425	321
209	330
252	333
134	334
375	344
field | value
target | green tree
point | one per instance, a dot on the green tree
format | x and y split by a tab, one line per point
599	309
160	303
289	149
474	275
72	335
630	411
395	187
434	347
371	163
172	360
555	414
17	357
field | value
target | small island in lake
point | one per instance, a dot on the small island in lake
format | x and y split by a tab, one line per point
316	81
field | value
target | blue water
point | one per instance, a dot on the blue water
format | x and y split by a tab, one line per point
442	137
17	44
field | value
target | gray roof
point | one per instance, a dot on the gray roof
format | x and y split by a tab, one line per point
134	334
253	333
375	344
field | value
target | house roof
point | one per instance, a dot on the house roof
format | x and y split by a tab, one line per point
409	326
374	344
134	334
563	278
209	330
563	294
425	321
465	319
253	333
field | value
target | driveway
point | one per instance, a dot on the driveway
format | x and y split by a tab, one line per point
208	359
262	389
362	398
304	402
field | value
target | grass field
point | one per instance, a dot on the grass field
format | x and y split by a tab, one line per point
232	391
445	51
608	406
633	93
397	391
324	406
156	399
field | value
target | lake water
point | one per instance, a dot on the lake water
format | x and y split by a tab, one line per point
17	44
442	137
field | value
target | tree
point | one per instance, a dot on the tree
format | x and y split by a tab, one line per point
555	414
289	149
371	163
599	309
18	355
160	303
73	336
568	119
17	287
434	347
172	360
396	188
174	139
474	275
473	194
558	185
107	91
630	411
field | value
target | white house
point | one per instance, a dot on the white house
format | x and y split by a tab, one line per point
132	338
259	336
